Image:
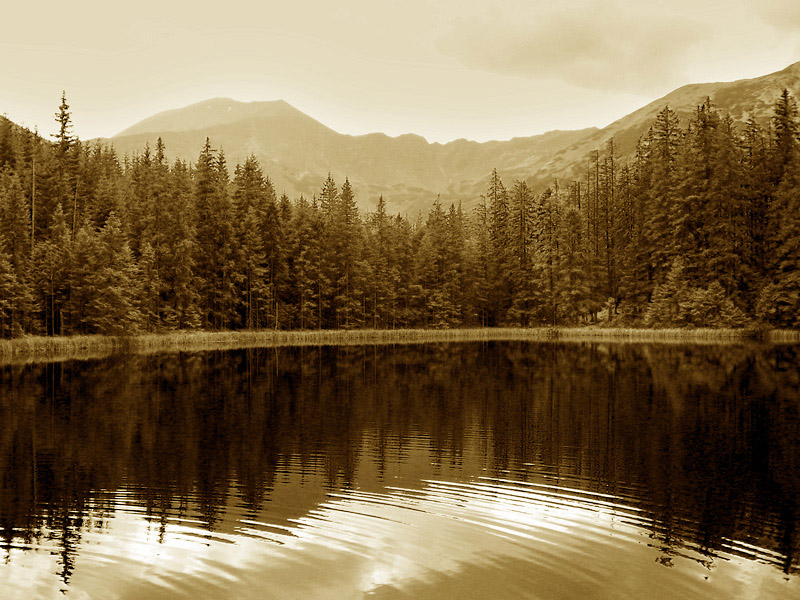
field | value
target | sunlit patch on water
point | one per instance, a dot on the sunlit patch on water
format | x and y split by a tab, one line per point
517	538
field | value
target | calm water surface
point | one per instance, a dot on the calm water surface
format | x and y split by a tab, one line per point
499	470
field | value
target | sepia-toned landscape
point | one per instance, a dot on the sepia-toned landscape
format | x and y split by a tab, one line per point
398	300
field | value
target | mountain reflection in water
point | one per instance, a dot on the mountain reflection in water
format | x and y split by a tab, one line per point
441	470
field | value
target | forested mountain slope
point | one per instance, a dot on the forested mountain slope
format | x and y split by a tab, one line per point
742	100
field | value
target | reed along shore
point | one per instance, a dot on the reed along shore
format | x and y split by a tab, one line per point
32	349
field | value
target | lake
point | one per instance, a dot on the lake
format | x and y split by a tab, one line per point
468	470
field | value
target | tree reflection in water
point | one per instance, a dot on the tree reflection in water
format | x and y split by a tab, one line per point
703	439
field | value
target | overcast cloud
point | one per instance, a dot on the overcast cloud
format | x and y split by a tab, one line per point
781	14
598	47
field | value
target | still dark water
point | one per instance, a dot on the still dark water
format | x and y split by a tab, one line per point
486	470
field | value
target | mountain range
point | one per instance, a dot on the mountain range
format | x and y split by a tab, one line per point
297	152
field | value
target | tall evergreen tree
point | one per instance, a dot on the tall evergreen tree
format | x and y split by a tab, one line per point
51	273
8	158
215	249
259	238
572	289
8	288
786	131
500	267
663	148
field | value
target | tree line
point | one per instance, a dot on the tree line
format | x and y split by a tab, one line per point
700	228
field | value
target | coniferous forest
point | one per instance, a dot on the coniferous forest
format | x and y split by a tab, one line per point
700	228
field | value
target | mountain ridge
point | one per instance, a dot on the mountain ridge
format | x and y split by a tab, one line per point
298	152
141	127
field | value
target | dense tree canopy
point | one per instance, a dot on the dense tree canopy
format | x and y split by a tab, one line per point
700	228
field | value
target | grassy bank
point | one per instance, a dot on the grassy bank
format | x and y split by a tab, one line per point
80	347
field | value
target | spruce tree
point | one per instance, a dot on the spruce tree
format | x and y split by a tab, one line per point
572	286
663	148
479	257
51	274
501	266
756	188
215	240
85	282
114	307
379	256
346	237
8	159
64	138
779	300
526	291
8	285
149	285
255	289
15	221
258	230
665	310
786	130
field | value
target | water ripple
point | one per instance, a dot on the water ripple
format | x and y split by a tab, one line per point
524	539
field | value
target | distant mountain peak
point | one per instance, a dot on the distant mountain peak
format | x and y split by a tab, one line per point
297	152
211	113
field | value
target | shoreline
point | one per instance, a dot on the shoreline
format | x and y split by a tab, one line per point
34	349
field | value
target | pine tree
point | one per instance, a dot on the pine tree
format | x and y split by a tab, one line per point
258	232
572	287
85	280
280	262
44	183
8	159
64	138
500	267
67	155
638	269
215	263
176	253
546	225
690	203
526	292
663	149
308	280
255	291
430	303
149	285
665	309
479	257
382	295
15	221
8	285
608	216
15	231
786	133
329	196
346	238
456	287
779	300
114	307
51	272
756	187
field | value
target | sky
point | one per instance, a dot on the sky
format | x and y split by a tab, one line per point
485	69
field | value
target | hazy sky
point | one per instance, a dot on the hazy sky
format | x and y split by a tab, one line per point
481	70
